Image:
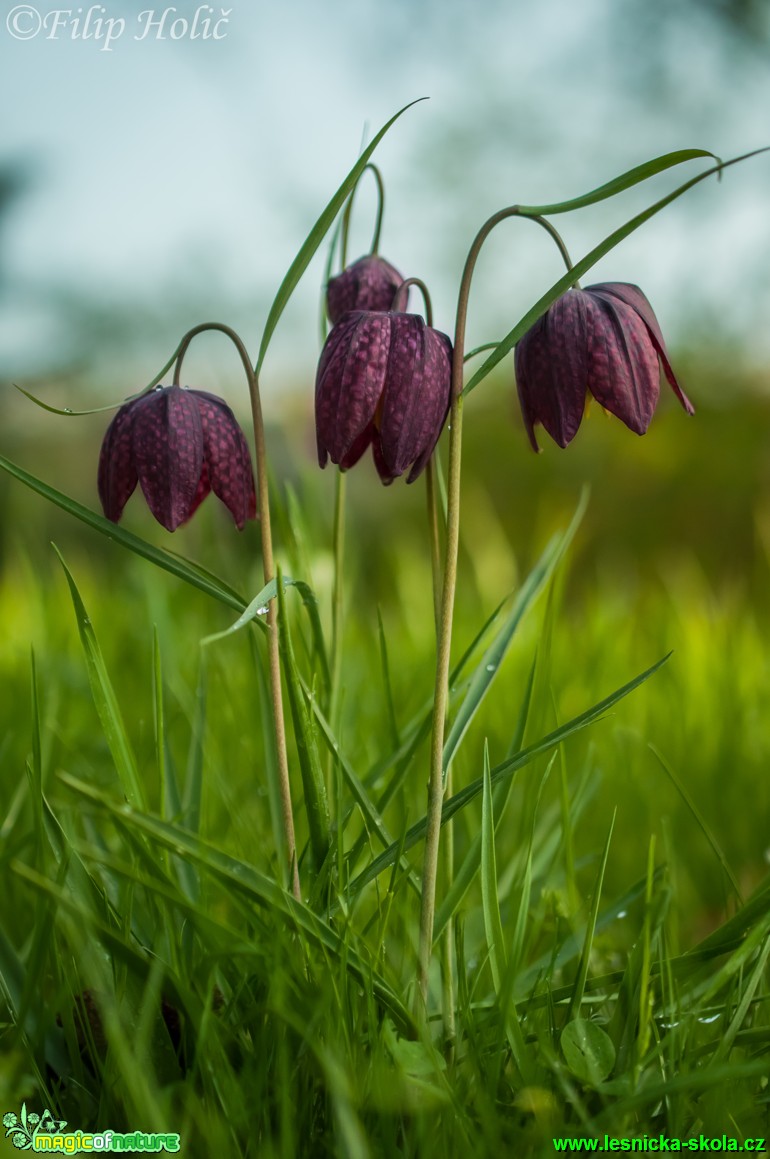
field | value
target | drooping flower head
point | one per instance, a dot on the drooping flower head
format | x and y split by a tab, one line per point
179	444
368	284
603	340
383	380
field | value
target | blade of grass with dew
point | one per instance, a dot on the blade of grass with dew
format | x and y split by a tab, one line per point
538	677
316	236
585	957
507	769
191	573
258	607
564	283
316	804
489	665
757	975
105	700
243	878
418	728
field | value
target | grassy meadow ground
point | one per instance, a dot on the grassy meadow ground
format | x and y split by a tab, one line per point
153	977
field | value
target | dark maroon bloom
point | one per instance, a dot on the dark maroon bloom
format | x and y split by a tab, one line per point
179	444
368	284
603	340
384	379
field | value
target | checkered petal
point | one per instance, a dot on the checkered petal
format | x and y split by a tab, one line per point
117	477
368	284
349	383
226	458
168	451
416	395
552	368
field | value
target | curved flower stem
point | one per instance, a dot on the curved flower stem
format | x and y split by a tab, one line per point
349	209
436	784
268	565
402	294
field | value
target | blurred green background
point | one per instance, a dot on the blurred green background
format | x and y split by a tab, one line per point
130	211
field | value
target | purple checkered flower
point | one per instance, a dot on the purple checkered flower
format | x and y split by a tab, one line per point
604	340
384	380
179	444
368	284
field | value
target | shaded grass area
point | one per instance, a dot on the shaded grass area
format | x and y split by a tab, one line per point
154	974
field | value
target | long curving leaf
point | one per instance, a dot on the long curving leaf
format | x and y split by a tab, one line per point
563	284
620	184
499	773
191	573
258	607
316	236
316	804
248	881
489	665
106	701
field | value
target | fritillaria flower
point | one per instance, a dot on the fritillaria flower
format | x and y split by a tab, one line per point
383	380
368	284
179	444
603	340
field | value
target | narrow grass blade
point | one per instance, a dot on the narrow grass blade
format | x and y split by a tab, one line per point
395	738
193	785
105	700
706	829
490	903
490	662
493	925
316	804
316	236
582	974
183	569
470	865
583	266
358	791
501	772
750	988
244	879
619	184
736	928
258	607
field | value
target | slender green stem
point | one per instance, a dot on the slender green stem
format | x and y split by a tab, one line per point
268	566
447	940
349	209
436	784
338	535
435	539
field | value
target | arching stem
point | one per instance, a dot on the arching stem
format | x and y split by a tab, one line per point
268	565
349	209
436	784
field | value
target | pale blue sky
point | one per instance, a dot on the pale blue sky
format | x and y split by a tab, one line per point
190	170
